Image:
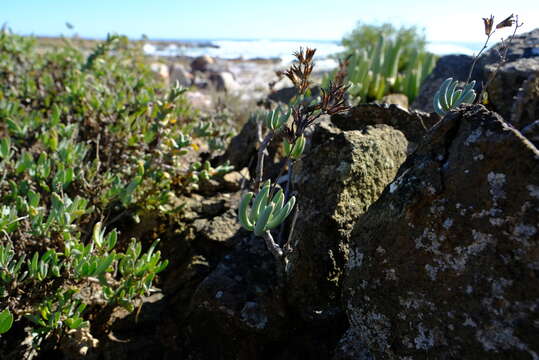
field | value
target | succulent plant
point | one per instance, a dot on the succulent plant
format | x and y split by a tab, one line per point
265	213
295	150
449	97
276	118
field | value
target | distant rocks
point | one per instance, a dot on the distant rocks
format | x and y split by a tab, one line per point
179	74
202	63
161	70
224	81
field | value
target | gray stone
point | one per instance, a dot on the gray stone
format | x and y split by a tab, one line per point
337	180
445	265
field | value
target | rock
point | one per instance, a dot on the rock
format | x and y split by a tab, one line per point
445	265
199	99
179	74
285	94
224	81
337	180
524	108
202	63
243	148
413	124
510	77
219	230
161	70
234	180
238	306
396	99
455	66
523	46
78	343
532	132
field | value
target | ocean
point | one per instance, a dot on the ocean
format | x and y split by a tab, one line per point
281	49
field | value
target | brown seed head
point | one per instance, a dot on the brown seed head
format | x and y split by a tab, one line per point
507	22
488	24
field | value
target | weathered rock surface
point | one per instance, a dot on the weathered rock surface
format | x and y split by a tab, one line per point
455	66
413	124
179	74
513	91
395	99
445	265
522	62
337	180
224	81
202	63
238	306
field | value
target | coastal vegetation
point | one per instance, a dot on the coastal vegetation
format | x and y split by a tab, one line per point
127	210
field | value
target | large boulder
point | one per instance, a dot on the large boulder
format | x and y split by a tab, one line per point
224	81
522	62
337	180
237	310
202	63
513	90
180	75
445	265
455	66
413	124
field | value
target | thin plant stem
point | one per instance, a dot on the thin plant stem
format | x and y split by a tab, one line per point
477	56
503	59
260	162
276	251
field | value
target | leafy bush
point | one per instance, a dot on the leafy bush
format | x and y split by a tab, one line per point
85	141
381	59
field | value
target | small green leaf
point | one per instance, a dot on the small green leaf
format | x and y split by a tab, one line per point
6	320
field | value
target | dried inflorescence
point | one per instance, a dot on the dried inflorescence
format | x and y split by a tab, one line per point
265	214
332	100
300	72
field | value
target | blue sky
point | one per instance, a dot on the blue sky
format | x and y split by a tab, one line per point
456	20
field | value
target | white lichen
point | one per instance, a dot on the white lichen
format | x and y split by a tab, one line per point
496	182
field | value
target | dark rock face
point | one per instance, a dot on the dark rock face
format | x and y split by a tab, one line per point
242	148
514	90
413	124
525	46
445	265
238	308
522	63
285	95
337	180
202	63
455	66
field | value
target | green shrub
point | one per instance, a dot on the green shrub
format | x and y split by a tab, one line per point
85	141
381	60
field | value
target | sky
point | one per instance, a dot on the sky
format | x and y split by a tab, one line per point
451	21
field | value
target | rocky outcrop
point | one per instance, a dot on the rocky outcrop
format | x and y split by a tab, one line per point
504	92
180	75
455	66
445	265
413	124
513	91
238	307
396	99
224	81
337	180
202	63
